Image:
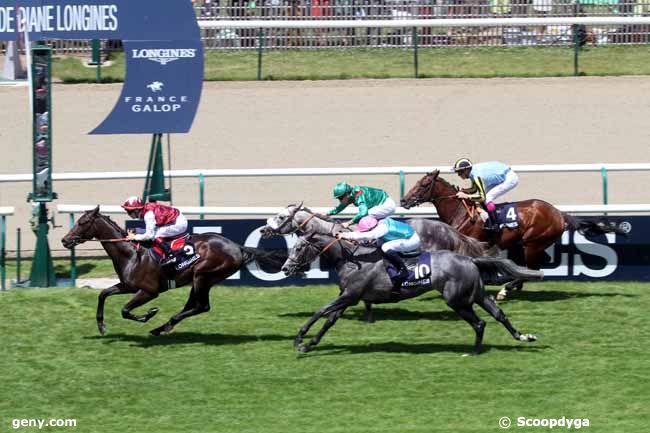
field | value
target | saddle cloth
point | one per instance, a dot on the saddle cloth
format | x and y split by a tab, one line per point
419	267
507	215
182	249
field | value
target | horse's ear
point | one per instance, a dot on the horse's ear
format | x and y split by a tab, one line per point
96	210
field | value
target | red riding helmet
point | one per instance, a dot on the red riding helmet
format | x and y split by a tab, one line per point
133	203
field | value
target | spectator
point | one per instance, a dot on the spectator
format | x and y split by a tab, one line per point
500	7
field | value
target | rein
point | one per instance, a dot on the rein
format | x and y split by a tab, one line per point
325	248
471	211
302	224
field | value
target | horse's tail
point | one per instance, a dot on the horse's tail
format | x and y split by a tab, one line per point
497	271
269	259
592	227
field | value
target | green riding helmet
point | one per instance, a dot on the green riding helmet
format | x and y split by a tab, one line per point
341	188
462	164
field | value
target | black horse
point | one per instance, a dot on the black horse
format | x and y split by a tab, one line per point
139	273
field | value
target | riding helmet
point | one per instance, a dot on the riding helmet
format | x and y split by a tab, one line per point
462	164
132	203
340	189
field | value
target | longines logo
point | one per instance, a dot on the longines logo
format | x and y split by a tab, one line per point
164	55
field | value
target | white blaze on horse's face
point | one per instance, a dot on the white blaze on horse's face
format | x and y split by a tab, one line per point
273	222
276	221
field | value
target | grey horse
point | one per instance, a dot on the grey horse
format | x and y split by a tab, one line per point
362	276
434	235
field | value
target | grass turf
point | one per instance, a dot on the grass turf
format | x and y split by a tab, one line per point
394	63
87	267
235	370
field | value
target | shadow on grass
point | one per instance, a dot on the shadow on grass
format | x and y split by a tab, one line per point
423	348
178	338
382	314
552	295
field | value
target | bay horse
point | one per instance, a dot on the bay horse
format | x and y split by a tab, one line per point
363	277
139	272
540	223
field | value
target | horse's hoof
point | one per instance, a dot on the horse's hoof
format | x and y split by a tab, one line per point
102	328
297	342
156	332
502	295
152	312
303	349
529	338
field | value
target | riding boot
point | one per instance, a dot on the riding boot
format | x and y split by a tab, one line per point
169	258
402	272
491	223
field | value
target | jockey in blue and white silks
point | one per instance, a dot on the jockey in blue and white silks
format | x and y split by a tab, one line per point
490	180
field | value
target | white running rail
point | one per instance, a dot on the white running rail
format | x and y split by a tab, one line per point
418	211
400	23
270	172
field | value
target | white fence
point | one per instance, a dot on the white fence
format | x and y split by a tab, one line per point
402	28
419	211
269	172
398	23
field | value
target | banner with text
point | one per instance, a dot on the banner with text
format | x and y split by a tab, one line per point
573	257
162	44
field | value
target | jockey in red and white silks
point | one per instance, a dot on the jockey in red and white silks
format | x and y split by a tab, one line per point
160	221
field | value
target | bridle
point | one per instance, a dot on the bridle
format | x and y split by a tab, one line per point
420	199
291	217
79	239
323	250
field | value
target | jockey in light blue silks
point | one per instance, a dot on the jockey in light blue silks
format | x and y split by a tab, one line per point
490	180
393	237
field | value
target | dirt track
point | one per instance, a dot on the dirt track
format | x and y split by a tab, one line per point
345	123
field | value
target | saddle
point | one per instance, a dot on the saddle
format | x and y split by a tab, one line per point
419	267
182	253
506	216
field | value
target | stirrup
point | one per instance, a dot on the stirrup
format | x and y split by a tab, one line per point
491	228
168	261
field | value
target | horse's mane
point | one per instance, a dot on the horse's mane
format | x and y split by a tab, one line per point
326	218
359	252
113	224
445	182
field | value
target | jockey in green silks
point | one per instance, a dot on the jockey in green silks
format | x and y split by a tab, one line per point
370	201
